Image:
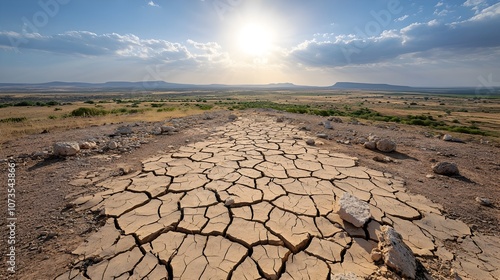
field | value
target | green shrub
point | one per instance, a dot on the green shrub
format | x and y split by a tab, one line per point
24	103
88	112
204	106
52	117
89	102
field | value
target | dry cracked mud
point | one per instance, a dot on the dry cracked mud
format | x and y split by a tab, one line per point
254	201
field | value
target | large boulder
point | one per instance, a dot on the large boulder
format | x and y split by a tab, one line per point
395	253
445	168
66	148
353	210
386	145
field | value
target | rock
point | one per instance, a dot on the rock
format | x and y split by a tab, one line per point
383	159
447	137
322	135
361	140
87	145
280	119
305	128
353	210
232	117
113	145
168	129
327	125
156	131
430	176
124	170
335	119
445	168
395	253
66	148
310	142
370	145
484	201
386	145
450	138
229	201
124	130
373	138
42	154
376	255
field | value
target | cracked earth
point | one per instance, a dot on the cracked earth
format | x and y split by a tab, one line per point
254	201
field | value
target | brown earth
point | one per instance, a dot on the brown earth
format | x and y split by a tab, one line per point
48	231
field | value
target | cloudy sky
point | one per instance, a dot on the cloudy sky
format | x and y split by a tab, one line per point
316	42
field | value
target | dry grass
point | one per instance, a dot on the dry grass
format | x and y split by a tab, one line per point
38	118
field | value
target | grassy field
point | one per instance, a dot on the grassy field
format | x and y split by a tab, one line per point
22	114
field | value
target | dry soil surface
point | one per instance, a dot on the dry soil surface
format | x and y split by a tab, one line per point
225	198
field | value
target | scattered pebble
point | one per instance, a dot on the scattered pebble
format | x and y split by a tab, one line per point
484	201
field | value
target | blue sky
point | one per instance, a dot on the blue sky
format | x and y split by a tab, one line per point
318	42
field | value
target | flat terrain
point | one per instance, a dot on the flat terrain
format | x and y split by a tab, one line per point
52	192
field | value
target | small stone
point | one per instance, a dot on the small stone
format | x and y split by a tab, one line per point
484	201
430	176
310	142
376	255
66	148
126	170
280	119
386	145
232	117
327	125
124	130
112	145
353	210
156	131
335	119
447	137
322	135
445	168
229	201
396	254
370	145
87	145
168	129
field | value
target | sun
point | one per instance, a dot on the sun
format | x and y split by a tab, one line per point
255	40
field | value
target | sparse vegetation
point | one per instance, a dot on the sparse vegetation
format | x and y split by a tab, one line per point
13	120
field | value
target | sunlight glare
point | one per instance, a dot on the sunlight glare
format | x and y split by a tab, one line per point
255	40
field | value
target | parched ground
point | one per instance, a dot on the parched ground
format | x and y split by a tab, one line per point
251	199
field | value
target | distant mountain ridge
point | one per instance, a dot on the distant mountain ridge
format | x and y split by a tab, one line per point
62	87
350	85
121	85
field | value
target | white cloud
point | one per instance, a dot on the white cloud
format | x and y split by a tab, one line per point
153	4
402	18
472	38
439	4
476	5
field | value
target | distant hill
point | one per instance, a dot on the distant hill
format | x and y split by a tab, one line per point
121	86
365	86
133	86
